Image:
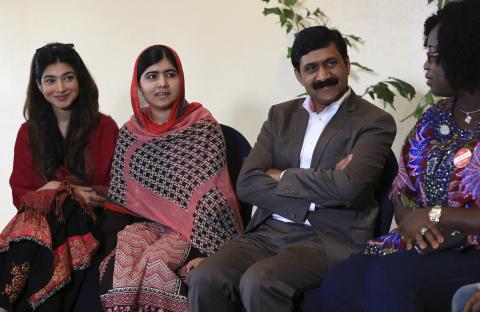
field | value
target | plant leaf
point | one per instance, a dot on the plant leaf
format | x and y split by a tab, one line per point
288	13
268	11
298	18
424	103
362	67
353	37
351	40
290	2
403	88
319	13
293	17
289	27
381	92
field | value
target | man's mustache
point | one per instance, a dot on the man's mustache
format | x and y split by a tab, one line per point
318	84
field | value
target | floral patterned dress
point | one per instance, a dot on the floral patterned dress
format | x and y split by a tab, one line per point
427	175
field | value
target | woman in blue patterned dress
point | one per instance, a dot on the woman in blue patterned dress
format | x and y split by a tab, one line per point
437	188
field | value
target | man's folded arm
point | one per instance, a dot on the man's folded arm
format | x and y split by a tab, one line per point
340	188
256	187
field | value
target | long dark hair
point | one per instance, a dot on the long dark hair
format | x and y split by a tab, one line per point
49	148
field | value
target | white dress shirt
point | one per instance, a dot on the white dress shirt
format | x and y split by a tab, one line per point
316	124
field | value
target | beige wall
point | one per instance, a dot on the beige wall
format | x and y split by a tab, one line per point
233	56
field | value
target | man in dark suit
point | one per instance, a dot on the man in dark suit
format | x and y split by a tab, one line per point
312	175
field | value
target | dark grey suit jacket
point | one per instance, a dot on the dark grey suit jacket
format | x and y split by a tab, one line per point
346	209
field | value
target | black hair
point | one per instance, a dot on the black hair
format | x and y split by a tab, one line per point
49	148
458	42
153	55
314	38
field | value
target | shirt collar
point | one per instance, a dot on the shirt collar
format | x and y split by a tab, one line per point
308	104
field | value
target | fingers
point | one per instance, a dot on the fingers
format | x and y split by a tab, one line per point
409	244
408	241
97	198
420	241
438	235
94	199
88	195
51	185
84	188
274	174
431	238
96	203
189	266
193	263
342	164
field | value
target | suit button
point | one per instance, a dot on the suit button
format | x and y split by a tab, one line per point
292	215
288	192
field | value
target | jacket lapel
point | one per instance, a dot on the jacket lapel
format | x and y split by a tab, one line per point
338	121
300	118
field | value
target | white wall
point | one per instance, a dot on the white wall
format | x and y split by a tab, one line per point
233	56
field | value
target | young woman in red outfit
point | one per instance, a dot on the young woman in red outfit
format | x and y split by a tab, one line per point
60	176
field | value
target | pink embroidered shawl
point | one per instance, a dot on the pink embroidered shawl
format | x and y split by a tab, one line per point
176	174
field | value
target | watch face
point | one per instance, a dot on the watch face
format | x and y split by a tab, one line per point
435	214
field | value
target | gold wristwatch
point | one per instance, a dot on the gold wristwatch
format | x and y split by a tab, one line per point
434	214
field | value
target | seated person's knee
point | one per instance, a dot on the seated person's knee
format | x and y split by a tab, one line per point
252	280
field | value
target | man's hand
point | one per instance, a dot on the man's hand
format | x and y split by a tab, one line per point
274	174
342	164
192	264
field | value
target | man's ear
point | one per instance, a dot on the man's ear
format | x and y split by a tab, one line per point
299	76
347	63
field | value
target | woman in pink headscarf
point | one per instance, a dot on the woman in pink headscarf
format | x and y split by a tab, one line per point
169	171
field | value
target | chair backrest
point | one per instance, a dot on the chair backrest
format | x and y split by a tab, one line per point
385	215
237	149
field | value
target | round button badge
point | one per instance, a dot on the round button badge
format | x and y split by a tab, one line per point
462	157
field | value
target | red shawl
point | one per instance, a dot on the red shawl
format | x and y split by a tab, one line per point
175	173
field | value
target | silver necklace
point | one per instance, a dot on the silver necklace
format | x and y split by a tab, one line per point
468	118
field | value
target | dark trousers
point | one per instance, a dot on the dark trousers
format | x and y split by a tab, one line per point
403	282
266	269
